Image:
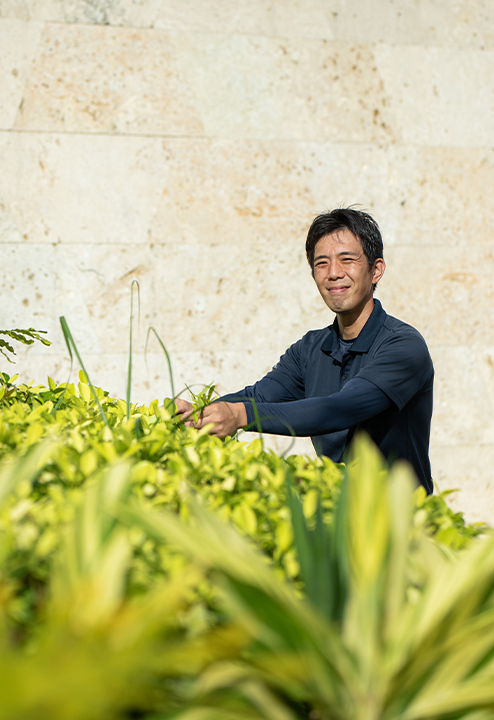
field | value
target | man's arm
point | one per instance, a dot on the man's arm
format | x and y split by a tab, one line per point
266	390
359	400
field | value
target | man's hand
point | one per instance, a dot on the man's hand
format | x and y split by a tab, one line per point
226	418
183	408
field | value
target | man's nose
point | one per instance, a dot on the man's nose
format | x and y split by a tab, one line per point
335	269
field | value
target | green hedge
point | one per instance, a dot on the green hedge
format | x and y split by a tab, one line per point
135	613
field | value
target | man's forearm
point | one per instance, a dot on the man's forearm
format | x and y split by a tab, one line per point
356	402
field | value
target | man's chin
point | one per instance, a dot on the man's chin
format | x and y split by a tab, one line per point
337	304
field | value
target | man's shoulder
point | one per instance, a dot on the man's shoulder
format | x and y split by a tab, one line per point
314	337
393	326
403	338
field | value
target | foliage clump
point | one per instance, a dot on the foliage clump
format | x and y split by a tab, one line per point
86	568
26	337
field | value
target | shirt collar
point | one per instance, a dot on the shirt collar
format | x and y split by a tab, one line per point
364	340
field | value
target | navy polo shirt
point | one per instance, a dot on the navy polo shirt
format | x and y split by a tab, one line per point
388	353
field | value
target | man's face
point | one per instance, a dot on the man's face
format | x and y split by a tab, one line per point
342	273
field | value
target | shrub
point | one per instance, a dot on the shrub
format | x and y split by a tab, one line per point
97	590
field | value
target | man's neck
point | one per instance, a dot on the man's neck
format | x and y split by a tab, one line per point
350	325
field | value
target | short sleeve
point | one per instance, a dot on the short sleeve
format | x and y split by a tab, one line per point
401	367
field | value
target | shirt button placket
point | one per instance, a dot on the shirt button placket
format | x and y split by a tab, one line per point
345	368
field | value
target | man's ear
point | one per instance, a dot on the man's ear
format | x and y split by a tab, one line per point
378	270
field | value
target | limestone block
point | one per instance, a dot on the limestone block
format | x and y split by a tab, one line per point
18	45
229	370
292	18
105	278
462	23
440	292
417	22
469	469
89	285
208	298
198	298
129	190
262	17
463	396
432	97
45	10
269	192
38	286
99	79
360	174
111	12
36	364
78	189
260	87
100	191
221	191
225	297
437	197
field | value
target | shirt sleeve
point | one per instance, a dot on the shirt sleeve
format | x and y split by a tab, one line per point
288	371
401	368
359	400
265	390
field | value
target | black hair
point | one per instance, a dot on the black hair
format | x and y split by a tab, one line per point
360	223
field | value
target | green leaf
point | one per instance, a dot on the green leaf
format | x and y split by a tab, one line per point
69	340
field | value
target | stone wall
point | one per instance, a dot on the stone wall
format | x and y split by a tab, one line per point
188	145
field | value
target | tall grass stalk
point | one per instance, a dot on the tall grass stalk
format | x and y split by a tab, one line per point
129	371
167	355
69	340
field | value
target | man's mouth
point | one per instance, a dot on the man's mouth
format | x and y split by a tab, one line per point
336	289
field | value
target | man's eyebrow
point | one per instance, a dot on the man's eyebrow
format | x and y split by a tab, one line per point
349	253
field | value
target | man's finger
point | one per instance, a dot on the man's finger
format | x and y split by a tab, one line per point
182	407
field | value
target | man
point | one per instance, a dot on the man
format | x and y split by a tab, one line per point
367	371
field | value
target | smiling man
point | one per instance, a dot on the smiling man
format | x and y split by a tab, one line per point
367	371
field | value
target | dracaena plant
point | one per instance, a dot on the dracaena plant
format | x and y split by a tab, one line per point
392	627
98	653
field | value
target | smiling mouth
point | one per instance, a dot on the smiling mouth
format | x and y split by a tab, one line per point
335	290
